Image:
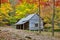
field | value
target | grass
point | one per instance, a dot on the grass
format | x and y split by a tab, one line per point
56	34
1	38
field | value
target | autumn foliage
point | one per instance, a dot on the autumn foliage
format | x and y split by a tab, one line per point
4	1
12	13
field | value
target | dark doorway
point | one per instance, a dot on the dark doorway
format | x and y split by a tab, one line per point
21	26
18	27
26	26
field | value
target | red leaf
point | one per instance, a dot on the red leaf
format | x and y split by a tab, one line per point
4	1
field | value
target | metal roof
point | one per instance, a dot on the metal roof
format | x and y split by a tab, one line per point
24	20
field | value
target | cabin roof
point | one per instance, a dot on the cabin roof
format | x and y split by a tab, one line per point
24	20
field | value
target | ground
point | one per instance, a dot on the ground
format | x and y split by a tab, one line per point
7	33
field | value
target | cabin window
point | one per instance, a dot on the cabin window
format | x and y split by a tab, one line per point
36	24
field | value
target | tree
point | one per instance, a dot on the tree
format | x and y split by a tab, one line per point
4	10
25	8
53	17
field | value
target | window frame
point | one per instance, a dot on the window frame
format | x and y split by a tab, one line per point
36	24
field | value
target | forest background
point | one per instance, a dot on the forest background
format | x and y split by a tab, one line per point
13	10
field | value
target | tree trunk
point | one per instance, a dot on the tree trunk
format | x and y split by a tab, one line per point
39	19
53	17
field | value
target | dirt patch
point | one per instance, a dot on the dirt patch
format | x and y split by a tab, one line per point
14	34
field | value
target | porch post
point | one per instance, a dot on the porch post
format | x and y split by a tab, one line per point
23	26
20	26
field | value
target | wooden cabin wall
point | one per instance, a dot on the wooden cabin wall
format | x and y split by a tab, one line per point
33	21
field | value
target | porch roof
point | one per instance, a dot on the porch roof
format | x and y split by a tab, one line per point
24	20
